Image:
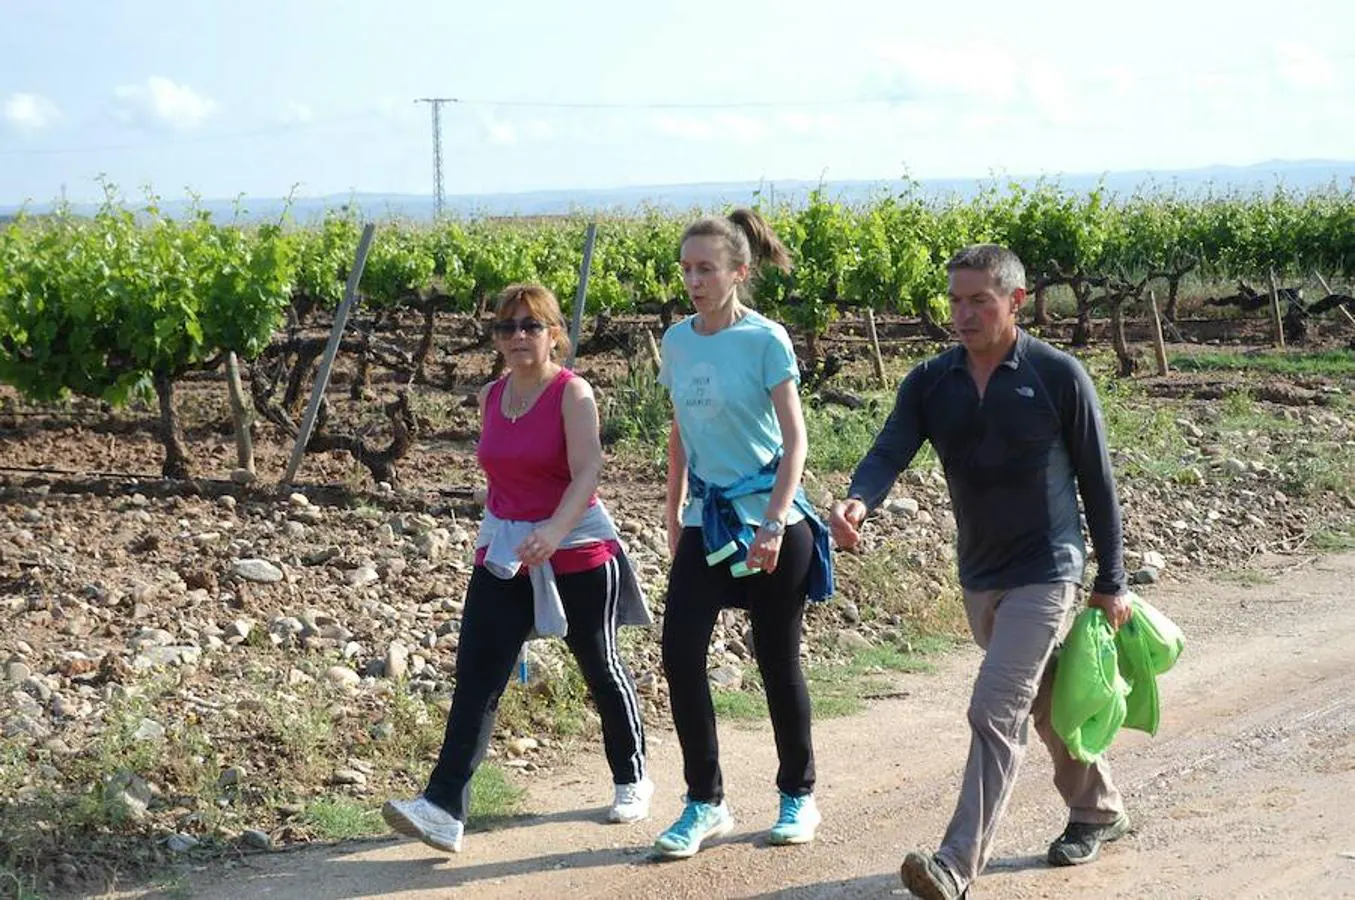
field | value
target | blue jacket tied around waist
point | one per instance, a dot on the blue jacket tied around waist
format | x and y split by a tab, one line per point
728	537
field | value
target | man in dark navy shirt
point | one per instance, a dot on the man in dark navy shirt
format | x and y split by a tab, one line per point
1019	433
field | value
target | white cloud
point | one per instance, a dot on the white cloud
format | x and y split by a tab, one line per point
600	130
732	127
508	129
400	109
162	102
913	72
30	113
1048	92
501	132
802	123
297	113
682	126
987	81
722	126
796	122
538	130
1303	66
740	128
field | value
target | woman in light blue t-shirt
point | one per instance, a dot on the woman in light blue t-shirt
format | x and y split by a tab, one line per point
741	532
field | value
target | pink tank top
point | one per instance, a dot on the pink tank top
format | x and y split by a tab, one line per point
527	464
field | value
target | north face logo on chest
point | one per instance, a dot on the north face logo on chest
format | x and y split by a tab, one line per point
1027	392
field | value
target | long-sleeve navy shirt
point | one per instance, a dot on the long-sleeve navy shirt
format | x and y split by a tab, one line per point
1014	461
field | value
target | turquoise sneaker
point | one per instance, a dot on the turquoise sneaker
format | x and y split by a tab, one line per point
798	820
697	822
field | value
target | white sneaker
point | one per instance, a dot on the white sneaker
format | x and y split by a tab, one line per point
425	821
631	803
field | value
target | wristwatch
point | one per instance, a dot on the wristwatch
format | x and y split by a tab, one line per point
774	527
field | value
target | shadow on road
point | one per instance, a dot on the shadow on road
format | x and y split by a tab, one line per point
345	877
886	884
348	877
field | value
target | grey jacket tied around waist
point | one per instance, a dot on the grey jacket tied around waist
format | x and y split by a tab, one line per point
501	538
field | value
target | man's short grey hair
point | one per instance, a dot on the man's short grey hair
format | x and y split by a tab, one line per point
1001	264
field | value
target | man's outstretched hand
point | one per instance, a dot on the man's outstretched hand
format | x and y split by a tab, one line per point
845	522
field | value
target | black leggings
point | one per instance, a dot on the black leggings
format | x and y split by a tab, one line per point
497	619
776	605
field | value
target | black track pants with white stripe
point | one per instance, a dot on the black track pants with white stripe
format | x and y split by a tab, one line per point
497	619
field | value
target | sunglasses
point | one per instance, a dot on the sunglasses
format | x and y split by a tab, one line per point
509	327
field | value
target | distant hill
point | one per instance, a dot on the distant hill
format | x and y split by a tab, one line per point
1298	175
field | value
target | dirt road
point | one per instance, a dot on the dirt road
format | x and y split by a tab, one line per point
1247	791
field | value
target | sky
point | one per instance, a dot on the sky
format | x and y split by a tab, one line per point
263	97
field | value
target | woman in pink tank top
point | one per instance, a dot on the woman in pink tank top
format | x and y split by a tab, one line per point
525	456
541	453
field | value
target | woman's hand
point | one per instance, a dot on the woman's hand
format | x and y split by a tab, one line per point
540	545
764	552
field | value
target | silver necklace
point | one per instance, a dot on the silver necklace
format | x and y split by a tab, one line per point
518	406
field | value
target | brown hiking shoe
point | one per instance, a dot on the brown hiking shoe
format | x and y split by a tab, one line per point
1081	842
928	879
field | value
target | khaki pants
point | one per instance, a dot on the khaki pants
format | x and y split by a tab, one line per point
1019	630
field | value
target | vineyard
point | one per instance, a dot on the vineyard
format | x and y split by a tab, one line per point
128	302
212	663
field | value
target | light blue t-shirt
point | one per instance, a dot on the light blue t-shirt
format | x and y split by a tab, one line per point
721	388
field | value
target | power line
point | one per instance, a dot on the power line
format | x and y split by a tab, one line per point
736	104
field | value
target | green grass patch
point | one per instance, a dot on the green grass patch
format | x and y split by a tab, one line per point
118	745
1239	411
1333	363
891	658
746	705
418	728
834	701
1239	406
841	689
175	887
1312	474
339	819
1336	540
1144	434
14	767
739	706
557	705
494	800
304	731
1244	577
835	688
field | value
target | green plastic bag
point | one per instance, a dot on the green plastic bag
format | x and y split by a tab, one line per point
1089	692
1149	645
